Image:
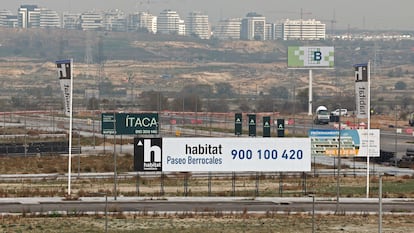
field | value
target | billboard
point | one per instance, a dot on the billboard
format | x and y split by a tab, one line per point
308	57
353	142
64	70
222	154
362	90
129	123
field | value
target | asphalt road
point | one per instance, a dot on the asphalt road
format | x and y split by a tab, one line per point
208	204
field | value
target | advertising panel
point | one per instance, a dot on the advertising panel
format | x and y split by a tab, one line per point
353	142
362	90
308	57
223	154
129	123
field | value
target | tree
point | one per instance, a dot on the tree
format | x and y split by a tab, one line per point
153	101
224	90
279	92
400	85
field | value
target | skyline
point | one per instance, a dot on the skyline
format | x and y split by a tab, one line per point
361	16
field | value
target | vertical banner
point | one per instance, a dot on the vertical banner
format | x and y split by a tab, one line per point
280	127
266	126
65	75
238	124
252	125
361	90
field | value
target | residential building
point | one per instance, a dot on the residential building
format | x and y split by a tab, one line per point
301	30
71	21
270	31
142	21
28	16
253	27
7	19
115	20
49	18
91	20
169	22
197	25
228	29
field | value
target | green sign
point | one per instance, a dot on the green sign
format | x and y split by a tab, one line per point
252	125
280	127
129	123
266	126
238	122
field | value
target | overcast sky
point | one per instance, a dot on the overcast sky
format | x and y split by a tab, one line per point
362	14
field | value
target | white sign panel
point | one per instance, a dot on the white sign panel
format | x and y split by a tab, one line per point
236	154
353	142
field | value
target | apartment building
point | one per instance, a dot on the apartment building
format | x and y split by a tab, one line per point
142	21
71	21
91	21
228	29
114	20
301	30
49	18
197	25
7	19
253	27
169	22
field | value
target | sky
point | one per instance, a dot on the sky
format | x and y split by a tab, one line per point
353	14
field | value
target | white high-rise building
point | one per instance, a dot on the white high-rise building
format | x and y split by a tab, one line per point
28	17
169	22
7	19
115	20
142	21
228	29
49	18
71	21
253	27
91	21
301	30
197	25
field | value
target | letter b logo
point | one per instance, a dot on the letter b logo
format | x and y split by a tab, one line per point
317	56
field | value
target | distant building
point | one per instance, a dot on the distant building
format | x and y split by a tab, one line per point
31	16
71	21
169	22
197	25
270	31
7	19
253	27
301	30
49	19
142	21
91	21
115	20
28	17
228	29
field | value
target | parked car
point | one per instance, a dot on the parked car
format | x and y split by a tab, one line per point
340	112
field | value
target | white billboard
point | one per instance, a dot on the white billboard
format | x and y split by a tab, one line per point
223	154
306	57
353	142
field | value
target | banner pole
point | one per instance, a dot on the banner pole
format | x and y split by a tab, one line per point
70	128
369	121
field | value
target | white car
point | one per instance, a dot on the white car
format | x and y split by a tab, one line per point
340	112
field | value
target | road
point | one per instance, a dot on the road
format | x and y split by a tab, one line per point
205	204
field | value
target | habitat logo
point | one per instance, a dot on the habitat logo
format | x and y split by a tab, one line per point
299	57
148	154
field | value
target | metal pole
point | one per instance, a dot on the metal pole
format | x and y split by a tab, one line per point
339	163
310	93
115	172
79	154
106	213
313	213
380	204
